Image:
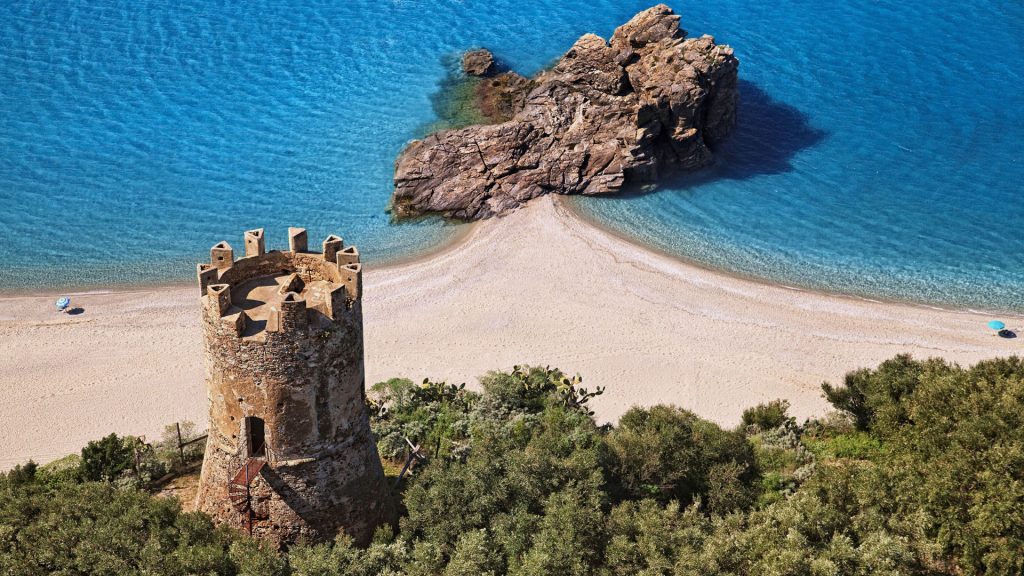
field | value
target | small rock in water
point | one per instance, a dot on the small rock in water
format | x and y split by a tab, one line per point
478	62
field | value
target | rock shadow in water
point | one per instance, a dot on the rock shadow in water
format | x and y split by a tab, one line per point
768	134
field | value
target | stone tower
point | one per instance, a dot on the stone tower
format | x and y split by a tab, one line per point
289	452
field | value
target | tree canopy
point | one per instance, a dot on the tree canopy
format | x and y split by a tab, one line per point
920	471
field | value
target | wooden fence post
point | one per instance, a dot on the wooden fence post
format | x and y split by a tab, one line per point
181	447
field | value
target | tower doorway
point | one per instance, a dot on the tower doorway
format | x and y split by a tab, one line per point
255	437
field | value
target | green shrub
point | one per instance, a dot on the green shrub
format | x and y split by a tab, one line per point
433	415
21	474
950	457
831	424
648	538
857	445
873	397
66	470
106	459
506	483
528	389
667	453
767	416
384	556
100	528
125	459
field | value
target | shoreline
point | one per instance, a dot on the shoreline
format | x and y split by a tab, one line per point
564	204
456	238
538	286
463	232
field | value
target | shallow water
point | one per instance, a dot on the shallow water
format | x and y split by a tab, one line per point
878	152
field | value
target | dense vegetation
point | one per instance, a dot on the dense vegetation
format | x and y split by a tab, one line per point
920	472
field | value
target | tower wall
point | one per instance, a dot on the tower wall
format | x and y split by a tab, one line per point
296	363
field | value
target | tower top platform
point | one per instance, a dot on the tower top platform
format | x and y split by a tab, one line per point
279	290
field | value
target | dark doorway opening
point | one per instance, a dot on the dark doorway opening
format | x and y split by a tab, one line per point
255	436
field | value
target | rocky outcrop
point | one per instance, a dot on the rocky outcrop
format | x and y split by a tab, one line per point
478	62
501	97
608	114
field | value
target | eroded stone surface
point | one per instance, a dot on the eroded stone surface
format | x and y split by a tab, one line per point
632	110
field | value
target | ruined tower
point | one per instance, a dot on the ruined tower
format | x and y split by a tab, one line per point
289	452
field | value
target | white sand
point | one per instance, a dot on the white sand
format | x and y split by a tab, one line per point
538	286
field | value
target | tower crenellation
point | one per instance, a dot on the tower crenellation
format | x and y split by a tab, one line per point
254	244
221	255
290	453
352	279
298	241
348	255
332	245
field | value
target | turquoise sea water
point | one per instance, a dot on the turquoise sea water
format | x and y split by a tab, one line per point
879	150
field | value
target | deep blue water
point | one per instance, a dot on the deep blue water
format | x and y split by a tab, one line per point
879	150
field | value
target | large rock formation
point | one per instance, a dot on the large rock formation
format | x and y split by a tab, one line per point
632	110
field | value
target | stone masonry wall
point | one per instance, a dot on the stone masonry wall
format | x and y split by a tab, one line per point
306	381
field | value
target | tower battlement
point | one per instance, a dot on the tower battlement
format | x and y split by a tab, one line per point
289	452
328	283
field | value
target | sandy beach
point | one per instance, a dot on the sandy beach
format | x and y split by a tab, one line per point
538	286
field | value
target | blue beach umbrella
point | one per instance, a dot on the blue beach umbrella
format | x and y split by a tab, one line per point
62	303
996	325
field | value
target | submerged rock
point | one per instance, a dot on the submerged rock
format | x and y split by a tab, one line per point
628	111
478	62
